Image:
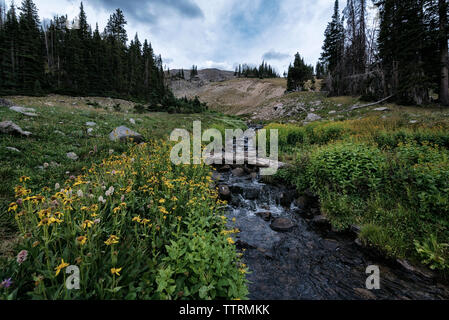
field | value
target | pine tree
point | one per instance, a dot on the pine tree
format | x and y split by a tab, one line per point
333	46
31	63
443	29
298	74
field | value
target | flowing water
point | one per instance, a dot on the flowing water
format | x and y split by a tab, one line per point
309	262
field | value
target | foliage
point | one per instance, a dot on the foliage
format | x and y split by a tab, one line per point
125	223
381	175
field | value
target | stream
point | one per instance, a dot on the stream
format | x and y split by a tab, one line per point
304	259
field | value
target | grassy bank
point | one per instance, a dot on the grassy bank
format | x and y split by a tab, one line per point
386	174
42	158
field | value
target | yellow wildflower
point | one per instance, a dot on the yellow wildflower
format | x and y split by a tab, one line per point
13	207
82	240
63	265
116	271
231	241
87	224
112	240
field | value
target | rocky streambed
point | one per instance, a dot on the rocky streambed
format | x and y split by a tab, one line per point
292	252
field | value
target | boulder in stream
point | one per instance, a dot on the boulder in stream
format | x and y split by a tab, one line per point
282	225
224	192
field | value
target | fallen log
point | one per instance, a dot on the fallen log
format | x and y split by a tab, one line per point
370	104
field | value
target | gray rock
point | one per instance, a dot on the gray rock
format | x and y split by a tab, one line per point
9	127
282	225
72	156
238	172
381	109
312	117
132	121
224	192
6	103
30	112
91	124
332	112
90	131
265	215
59	132
13	149
123	134
413	121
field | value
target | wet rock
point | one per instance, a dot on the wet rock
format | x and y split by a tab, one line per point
321	222
9	127
238	172
365	294
287	198
29	112
72	156
282	225
252	194
124	134
253	175
302	202
359	242
265	215
224	192
356	230
224	168
407	266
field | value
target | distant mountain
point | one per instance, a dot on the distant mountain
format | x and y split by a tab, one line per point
205	75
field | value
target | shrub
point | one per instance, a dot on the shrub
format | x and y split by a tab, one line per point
346	167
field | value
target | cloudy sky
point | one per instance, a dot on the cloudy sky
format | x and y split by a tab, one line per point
214	33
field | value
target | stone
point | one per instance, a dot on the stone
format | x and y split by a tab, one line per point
332	112
238	172
253	175
13	149
356	230
382	109
132	121
30	112
413	121
365	294
123	134
72	156
59	132
5	103
224	168
91	124
282	225
9	127
407	266
302	202
90	131
264	215
311	117
224	192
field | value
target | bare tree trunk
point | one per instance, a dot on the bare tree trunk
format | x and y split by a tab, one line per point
444	85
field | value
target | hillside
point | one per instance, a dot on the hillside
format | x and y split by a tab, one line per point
237	96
